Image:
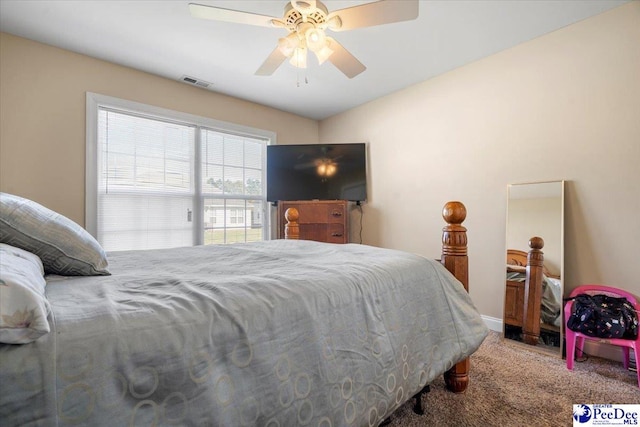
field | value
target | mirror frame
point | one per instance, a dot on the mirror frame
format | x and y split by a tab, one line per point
538	190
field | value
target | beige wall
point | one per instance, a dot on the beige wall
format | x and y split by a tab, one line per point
42	117
563	106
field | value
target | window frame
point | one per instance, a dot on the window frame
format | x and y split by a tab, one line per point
95	101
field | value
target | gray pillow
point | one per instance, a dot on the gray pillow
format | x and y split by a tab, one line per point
64	247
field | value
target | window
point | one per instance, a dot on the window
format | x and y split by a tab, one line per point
236	216
158	178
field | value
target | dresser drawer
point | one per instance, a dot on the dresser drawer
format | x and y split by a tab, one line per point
335	213
335	233
321	214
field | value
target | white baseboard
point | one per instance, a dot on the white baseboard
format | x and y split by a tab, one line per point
592	348
492	323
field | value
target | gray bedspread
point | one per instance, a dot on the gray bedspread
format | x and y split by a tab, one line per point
277	333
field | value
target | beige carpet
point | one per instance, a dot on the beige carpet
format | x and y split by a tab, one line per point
512	386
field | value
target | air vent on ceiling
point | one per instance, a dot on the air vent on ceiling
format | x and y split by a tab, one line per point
195	82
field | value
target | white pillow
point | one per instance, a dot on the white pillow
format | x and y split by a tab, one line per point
64	247
23	305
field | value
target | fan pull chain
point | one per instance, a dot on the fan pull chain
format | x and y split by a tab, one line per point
306	78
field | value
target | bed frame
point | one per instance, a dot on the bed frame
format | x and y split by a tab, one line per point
454	258
523	300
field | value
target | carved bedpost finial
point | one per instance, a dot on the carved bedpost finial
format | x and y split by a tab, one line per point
292	228
536	243
536	256
454	235
454	212
454	258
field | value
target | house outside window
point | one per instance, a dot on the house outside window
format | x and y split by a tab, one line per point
158	178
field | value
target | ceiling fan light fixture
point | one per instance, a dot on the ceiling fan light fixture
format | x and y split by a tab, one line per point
326	168
316	39
299	57
288	45
323	54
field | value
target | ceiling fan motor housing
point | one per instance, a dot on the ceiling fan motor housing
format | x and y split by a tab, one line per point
296	12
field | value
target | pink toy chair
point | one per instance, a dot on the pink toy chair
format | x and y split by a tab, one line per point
579	338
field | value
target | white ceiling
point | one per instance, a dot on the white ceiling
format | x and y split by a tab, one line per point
161	37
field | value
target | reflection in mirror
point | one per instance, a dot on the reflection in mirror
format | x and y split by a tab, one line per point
534	270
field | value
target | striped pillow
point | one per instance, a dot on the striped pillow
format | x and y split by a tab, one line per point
64	247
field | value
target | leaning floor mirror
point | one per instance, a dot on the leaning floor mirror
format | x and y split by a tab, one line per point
535	262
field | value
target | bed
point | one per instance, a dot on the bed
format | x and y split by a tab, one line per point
533	297
274	333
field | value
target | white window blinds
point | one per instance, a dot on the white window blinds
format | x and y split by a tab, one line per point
146	182
158	182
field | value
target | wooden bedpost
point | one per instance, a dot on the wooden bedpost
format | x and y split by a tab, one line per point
533	292
292	228
454	258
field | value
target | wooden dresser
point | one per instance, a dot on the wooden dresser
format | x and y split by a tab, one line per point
320	220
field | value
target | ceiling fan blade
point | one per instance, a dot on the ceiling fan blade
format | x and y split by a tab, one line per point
229	15
375	13
344	60
271	64
302	166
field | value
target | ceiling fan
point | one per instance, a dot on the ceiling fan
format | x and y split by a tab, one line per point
306	21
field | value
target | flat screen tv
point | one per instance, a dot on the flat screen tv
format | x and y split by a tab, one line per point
317	172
